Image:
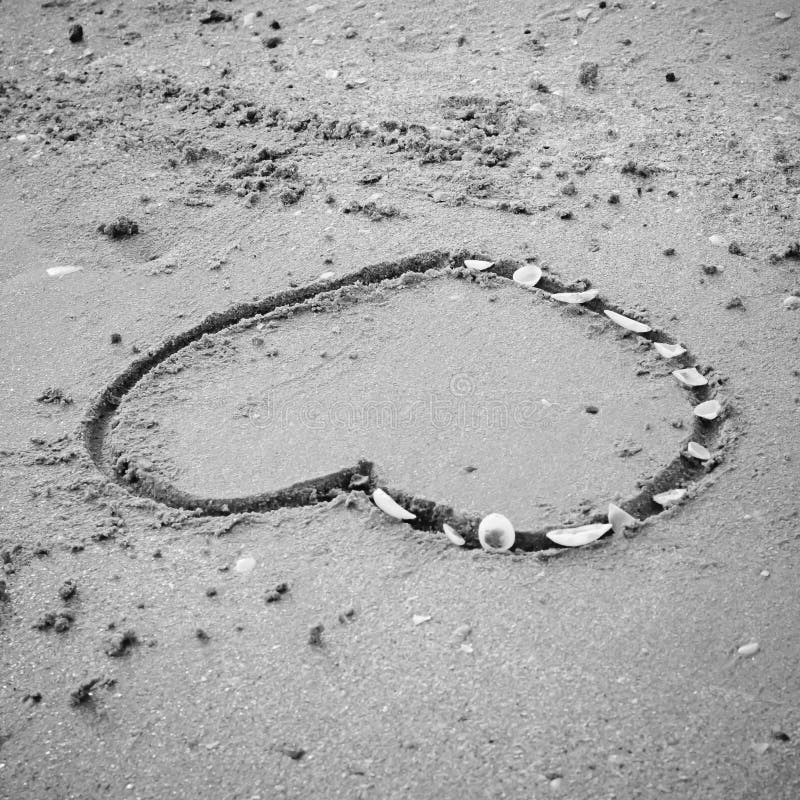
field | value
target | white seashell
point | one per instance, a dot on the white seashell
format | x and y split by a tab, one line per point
575	297
451	533
709	410
627	322
418	619
620	518
669	350
331	74
717	240
390	507
749	649
245	564
472	263
57	272
529	275
670	498
496	533
697	451
690	377
783	15
575	537
326	276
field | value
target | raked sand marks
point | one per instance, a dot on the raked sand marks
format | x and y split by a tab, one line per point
133	469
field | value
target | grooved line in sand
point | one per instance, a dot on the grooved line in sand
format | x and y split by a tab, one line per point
430	514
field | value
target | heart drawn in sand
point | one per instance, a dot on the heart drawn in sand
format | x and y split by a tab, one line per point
510	372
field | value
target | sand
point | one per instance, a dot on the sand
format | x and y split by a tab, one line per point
194	168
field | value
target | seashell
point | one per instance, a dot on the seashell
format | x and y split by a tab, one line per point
245	564
697	451
709	410
451	533
575	297
669	350
670	498
749	649
418	619
791	303
528	275
496	533
717	240
57	272
471	263
783	15
575	537
390	507
619	518
326	276
627	322
690	377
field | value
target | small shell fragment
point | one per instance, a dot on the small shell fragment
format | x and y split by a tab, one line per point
390	507
709	410
783	15
418	619
528	275
697	451
575	537
245	564
471	263
627	322
670	498
749	649
575	297
451	533
690	377
58	272
717	240
496	533
669	350
326	276
619	518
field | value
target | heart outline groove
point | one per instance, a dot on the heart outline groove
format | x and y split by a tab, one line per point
363	476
